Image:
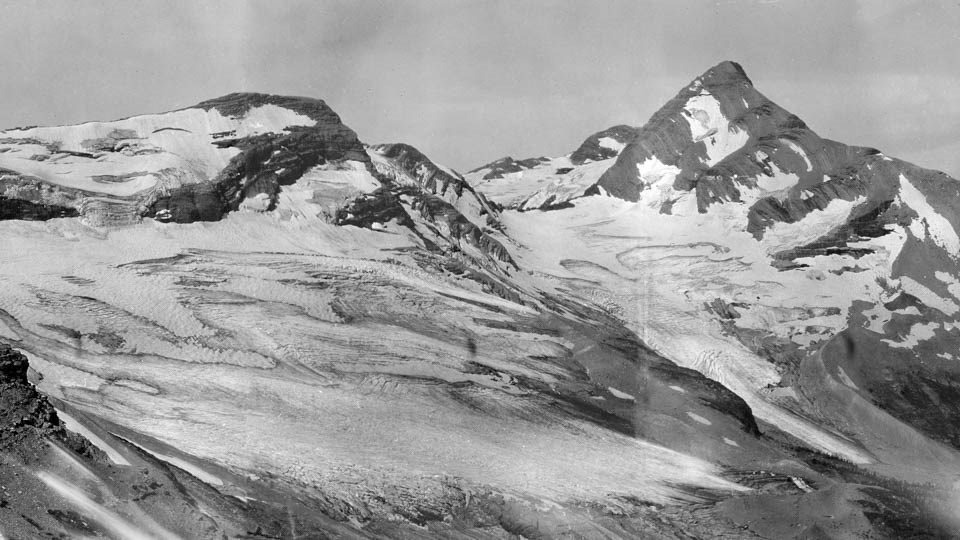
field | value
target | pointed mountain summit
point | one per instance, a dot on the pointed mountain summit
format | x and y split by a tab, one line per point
720	140
718	115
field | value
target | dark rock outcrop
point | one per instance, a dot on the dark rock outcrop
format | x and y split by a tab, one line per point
29	198
592	150
777	145
236	105
508	165
435	180
193	202
13	366
31	211
266	161
437	210
445	200
723	309
381	206
26	417
430	177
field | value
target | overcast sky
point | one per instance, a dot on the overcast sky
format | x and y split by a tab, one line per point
471	81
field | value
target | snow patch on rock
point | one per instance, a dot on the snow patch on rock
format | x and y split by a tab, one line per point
928	297
657	179
611	143
780	180
708	124
77	427
918	332
845	379
565	187
796	148
928	220
953	285
783	236
196	471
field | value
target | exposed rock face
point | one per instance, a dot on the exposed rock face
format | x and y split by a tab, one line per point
458	227
26	416
21	406
409	163
722	140
442	198
186	204
21	209
603	145
507	165
13	366
26	197
381	206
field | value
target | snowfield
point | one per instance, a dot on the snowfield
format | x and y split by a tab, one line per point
222	315
144	151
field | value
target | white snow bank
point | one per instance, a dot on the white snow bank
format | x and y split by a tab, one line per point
929	221
918	332
845	379
72	424
796	148
953	285
928	297
611	143
783	236
708	124
779	181
657	179
197	472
